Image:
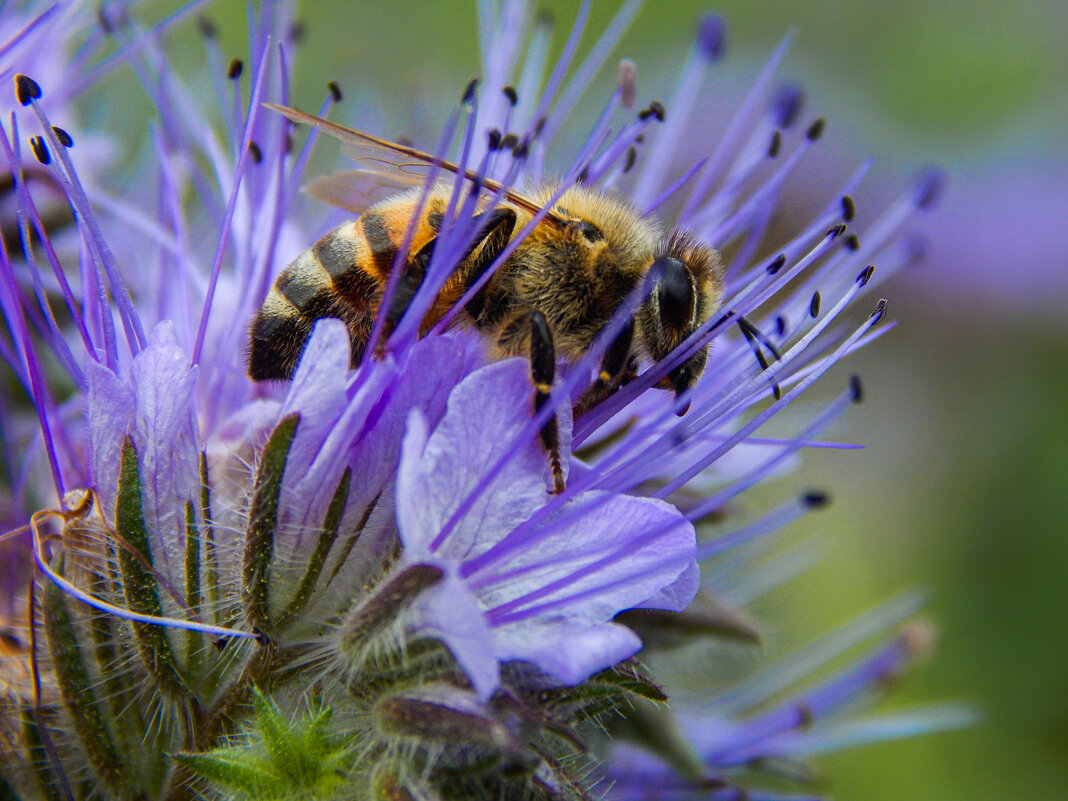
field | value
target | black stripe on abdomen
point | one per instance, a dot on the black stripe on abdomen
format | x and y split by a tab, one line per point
297	283
336	252
275	344
378	239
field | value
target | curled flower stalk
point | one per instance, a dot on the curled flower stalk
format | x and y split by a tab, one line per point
382	578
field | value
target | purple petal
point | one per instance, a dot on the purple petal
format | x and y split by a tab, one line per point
568	651
317	392
235	445
109	412
364	432
165	433
450	613
549	600
432	369
486	413
678	594
618	555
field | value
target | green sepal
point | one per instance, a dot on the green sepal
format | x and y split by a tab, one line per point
353	538
138	582
553	782
263	519
75	686
211	558
194	640
110	658
322	549
280	761
446	716
384	605
630	678
710	615
37	757
603	692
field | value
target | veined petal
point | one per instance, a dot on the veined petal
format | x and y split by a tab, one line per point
486	414
618	554
450	613
317	392
678	594
110	409
598	555
165	432
569	652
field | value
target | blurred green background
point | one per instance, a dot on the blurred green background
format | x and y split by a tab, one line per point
961	489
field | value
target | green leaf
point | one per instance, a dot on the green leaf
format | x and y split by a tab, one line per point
234	770
287	748
278	760
263	518
138	581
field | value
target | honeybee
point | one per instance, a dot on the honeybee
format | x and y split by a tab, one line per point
552	296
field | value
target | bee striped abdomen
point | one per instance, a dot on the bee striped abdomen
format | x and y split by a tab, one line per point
324	281
342	275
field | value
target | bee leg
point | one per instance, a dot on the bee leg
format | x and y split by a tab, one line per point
494	235
411	278
612	373
542	373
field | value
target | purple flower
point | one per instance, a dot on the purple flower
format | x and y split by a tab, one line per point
363	577
546	596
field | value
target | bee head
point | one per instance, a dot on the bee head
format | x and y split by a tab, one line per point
686	287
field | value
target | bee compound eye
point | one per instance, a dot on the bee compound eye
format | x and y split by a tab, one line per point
675	290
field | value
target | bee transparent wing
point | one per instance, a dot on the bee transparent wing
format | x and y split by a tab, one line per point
356	190
384	163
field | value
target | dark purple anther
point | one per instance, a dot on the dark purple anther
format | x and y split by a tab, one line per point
711	37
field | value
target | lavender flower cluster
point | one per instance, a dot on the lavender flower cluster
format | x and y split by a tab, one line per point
355	584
